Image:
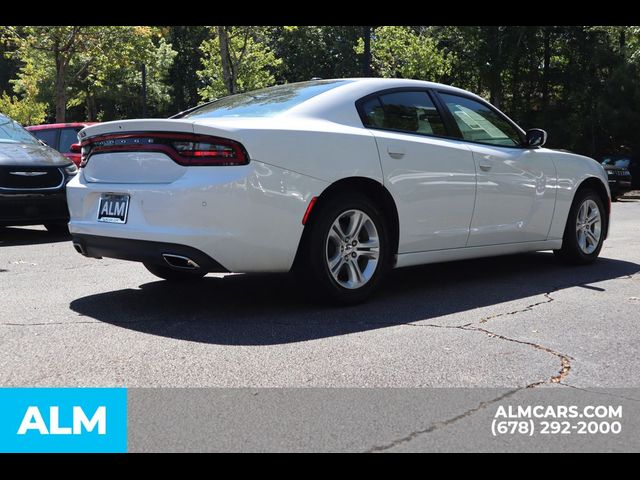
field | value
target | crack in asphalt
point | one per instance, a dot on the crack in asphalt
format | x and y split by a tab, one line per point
528	308
607	394
45	324
565	368
565	360
444	423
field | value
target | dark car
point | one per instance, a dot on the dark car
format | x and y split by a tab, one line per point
33	178
61	136
618	170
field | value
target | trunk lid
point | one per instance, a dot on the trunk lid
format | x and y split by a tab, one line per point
133	167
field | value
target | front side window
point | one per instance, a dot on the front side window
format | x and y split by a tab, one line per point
411	112
12	132
478	123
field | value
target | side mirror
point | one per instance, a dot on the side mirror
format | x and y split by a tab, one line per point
536	137
75	148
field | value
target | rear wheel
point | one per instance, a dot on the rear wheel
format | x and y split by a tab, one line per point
348	251
59	228
584	232
174	275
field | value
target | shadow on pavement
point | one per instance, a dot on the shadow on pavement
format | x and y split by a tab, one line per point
270	309
13	236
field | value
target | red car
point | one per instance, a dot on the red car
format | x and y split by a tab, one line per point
62	137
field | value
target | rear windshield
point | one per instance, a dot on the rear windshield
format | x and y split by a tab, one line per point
263	103
12	132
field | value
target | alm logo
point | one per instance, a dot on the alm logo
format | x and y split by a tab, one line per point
33	420
63	420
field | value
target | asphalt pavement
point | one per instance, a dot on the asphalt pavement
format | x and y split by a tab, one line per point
513	322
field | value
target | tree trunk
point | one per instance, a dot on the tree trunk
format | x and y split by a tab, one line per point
366	57
546	61
225	58
60	90
92	111
495	74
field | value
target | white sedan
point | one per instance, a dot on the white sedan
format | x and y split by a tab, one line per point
338	180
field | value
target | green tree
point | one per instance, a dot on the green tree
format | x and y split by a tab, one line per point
403	52
112	84
24	107
236	59
317	51
182	76
75	61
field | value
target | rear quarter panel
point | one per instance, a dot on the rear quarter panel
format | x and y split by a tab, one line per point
320	149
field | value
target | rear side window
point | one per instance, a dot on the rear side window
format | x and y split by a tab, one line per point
68	136
411	112
50	137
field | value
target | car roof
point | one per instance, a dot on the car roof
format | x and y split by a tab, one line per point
51	126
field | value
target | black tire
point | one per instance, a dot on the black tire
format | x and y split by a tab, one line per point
314	264
173	275
571	252
58	228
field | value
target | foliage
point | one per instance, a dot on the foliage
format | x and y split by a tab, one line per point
320	52
580	83
252	61
78	63
24	107
182	77
402	52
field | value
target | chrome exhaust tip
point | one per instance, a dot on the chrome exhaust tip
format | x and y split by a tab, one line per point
178	261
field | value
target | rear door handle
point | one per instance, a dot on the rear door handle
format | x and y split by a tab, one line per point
395	151
485	167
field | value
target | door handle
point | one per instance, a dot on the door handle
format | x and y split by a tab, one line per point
395	151
485	167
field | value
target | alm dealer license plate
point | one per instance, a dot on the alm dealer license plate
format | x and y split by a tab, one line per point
113	208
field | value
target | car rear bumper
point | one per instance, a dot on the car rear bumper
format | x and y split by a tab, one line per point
247	218
33	208
158	253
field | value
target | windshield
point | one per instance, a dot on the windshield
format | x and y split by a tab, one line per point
12	132
263	103
617	162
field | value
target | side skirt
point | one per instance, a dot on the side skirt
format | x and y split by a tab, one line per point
436	256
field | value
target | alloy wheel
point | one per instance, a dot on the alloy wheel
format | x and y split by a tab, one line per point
588	226
352	249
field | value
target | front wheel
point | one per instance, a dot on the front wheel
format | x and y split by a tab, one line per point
348	251
173	275
584	232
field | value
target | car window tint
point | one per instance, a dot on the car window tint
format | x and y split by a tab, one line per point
50	137
68	136
412	112
373	113
478	123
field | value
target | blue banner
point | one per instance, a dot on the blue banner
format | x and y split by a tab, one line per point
63	420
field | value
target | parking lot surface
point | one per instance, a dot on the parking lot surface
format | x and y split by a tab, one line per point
513	321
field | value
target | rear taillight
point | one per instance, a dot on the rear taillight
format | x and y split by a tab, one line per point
184	149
